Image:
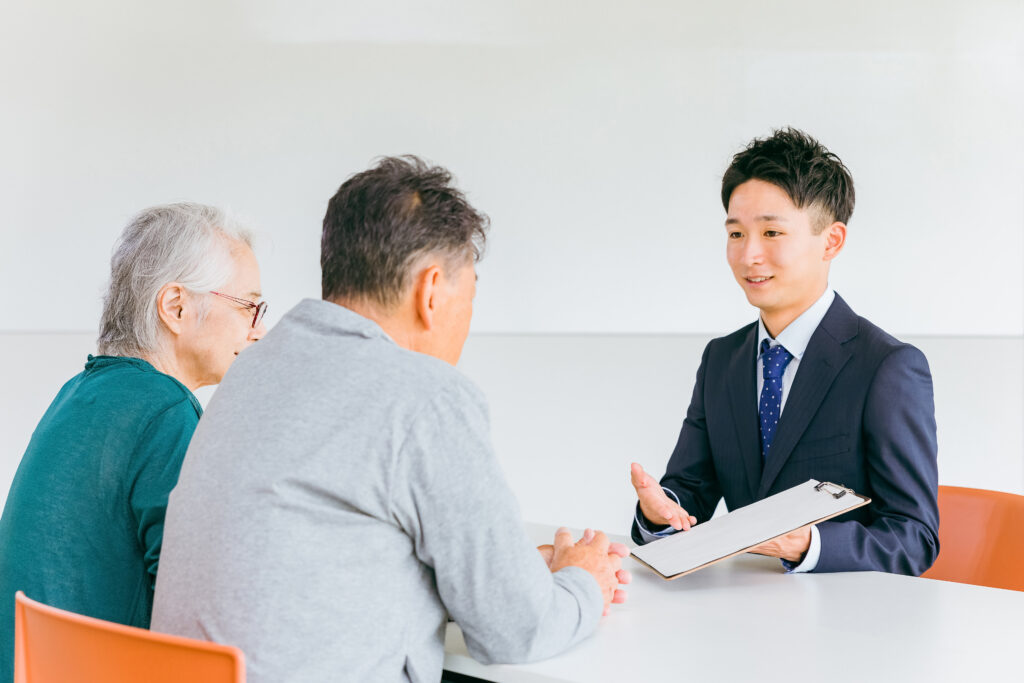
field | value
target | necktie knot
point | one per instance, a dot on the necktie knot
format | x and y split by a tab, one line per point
774	359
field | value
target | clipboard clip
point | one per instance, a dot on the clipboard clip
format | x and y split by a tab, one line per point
835	490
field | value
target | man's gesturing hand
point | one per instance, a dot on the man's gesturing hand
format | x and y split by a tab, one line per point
594	553
655	504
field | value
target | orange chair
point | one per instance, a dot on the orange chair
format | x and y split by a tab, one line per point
981	538
55	646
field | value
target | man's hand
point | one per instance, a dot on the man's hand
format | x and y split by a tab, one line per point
597	555
791	547
655	503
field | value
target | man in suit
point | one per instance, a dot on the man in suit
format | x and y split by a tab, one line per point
810	390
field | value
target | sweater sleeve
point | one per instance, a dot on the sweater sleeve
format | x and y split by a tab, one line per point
452	499
155	465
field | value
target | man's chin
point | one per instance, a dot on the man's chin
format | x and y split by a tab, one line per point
759	300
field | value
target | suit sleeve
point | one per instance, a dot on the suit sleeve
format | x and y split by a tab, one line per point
901	462
690	473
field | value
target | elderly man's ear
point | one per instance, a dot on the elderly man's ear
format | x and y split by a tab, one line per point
428	293
170	306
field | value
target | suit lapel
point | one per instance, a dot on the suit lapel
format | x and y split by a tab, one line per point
822	361
742	384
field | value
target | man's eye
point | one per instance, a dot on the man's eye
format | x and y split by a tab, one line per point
772	233
735	235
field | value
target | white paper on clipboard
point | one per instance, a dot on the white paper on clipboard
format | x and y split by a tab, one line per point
740	530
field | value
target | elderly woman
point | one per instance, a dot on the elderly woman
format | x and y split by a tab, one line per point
83	523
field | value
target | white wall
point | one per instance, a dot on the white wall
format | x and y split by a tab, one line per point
593	132
570	412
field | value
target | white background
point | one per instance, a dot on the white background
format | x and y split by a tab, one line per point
594	134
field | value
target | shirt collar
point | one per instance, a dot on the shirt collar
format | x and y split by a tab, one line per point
797	334
331	318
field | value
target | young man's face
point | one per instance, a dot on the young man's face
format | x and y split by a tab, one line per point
774	253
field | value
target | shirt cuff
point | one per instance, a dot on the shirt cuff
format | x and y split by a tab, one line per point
641	522
810	560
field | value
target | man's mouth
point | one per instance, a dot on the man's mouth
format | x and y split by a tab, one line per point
760	279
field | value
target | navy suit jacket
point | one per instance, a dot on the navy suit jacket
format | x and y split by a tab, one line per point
860	413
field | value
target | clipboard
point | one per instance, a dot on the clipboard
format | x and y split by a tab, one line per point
723	537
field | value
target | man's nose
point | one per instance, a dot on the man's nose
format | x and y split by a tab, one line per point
753	251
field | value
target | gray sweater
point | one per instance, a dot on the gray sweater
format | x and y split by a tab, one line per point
339	500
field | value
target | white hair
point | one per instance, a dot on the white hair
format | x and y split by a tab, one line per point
185	243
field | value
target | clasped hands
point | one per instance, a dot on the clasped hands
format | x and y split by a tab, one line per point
658	508
595	554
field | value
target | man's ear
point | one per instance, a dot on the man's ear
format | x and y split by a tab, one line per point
835	238
170	306
427	293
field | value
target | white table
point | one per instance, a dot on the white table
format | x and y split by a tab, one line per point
745	619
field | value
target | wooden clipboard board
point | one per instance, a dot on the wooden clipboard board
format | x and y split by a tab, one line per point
737	532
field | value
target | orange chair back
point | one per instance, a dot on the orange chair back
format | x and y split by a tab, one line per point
56	646
981	538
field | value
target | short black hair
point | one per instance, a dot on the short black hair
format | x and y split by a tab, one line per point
382	219
799	165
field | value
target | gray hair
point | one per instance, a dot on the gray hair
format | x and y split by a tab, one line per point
185	243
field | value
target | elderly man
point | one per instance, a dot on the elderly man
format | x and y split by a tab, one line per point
83	523
341	497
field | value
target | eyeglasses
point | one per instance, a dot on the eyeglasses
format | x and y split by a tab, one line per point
259	309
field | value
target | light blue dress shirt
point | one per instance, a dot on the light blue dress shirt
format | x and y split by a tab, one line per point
795	339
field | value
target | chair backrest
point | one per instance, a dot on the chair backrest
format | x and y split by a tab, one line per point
981	538
55	646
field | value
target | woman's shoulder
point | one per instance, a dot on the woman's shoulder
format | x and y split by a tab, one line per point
136	386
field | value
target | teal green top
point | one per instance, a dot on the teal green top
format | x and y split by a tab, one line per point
84	519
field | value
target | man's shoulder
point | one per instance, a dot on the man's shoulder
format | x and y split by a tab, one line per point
868	341
873	340
736	338
731	343
346	357
429	377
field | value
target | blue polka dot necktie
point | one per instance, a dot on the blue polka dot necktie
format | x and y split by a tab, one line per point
775	359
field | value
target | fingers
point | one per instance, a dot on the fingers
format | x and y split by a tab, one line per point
638	477
563	539
615	561
547	552
600	541
672	517
624	576
619	549
654	503
675	517
588	536
618	598
657	506
686	520
679	519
